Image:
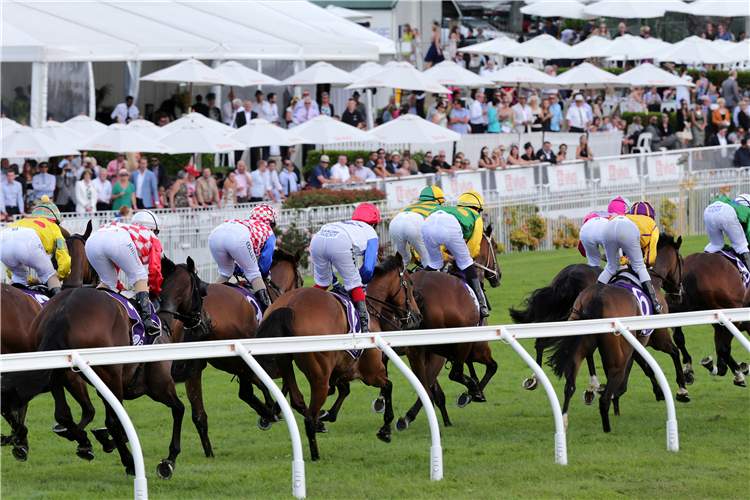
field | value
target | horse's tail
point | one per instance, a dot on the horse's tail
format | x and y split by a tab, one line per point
183	370
549	303
280	323
564	348
22	387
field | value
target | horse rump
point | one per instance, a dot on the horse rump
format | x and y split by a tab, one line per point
280	323
553	302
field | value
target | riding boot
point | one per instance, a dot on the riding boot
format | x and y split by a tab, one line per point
364	316
648	287
746	259
144	311
473	280
55	291
263	298
428	268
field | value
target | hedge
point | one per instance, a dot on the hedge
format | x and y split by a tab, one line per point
173	163
645	117
313	157
327	197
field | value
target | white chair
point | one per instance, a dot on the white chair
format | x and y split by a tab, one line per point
644	143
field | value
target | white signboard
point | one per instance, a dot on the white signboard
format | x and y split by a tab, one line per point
619	172
404	192
663	168
454	185
566	177
515	181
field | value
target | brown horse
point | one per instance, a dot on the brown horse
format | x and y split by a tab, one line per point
712	282
232	317
85	318
608	301
311	312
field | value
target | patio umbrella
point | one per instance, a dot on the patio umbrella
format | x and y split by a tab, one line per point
325	130
588	76
320	72
738	51
624	9
260	133
593	46
145	127
192	72
197	118
400	75
450	73
193	137
570	9
120	138
715	8
85	125
696	50
25	142
541	47
631	47
366	69
495	47
61	133
521	74
244	75
8	123
648	75
413	129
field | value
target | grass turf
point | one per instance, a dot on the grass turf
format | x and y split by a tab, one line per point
499	449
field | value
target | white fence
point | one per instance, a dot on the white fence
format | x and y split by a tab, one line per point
84	359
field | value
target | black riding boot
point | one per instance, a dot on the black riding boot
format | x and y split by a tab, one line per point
746	259
144	311
648	287
473	280
364	316
263	298
428	268
55	291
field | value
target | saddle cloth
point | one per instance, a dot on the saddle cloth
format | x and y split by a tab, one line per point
462	277
137	331
647	309
352	316
744	272
250	298
38	293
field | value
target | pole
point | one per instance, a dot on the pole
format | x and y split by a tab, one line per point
727	323
370	111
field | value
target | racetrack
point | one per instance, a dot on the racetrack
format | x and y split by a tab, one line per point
499	449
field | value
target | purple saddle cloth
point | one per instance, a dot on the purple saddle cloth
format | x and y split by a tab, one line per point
647	309
250	298
137	331
37	295
352	316
744	272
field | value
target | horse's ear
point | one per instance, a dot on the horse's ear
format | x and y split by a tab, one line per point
167	266
488	230
381	250
678	242
191	265
87	233
297	258
399	261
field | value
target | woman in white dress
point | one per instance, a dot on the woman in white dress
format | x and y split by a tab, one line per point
85	193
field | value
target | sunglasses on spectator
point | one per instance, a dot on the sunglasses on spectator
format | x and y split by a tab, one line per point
123	175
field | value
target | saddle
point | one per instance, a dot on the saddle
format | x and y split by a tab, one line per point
244	288
137	331
735	259
352	315
627	279
40	293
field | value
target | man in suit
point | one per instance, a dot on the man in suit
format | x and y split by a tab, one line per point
146	189
721	157
160	171
199	106
545	154
729	90
522	115
242	117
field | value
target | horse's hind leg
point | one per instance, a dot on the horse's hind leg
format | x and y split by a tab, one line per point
724	353
78	388
615	378
318	395
662	341
194	390
112	378
14	413
371	371
457	373
246	394
331	415
679	339
650	374
532	382
160	388
439	397
483	354
64	417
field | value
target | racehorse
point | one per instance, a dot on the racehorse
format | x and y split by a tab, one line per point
231	316
311	312
81	271
554	303
85	318
606	301
712	282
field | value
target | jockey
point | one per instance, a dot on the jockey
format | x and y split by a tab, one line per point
250	243
591	229
725	216
637	235
30	242
406	226
338	244
129	247
459	229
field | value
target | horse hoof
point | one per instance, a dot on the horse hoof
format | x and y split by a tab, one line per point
322	429
589	397
708	363
739	383
478	397
402	424
165	469
384	435
683	397
689	377
447	423
659	396
21	453
378	405
85	452
59	429
601	388
531	383
264	424
109	446
463	400
745	368
130	470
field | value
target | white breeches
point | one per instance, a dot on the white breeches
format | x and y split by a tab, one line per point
329	248
21	249
441	228
229	243
721	219
110	247
591	239
406	229
623	233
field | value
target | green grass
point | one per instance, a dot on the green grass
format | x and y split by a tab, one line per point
500	449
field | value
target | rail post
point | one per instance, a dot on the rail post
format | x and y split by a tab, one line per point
561	449
141	486
673	441
727	323
298	462
436	450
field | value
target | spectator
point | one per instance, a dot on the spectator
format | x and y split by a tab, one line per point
576	116
440	164
683	124
168	107
570	36
736	136
720	139
466	165
701	86
545	154
44	183
720	116
698	122
426	167
146	189
634	103
550	28
244	181
498	160
583	152
230	189
340	171
434	53
622	29
291	118
78	162
741	114
652	99
66	186
86	194
230	108
514	159
271	179
683	92
103	192
595	126
459	118
606	125
259	190
536	113
214	113
440	116
206	189
721	33
68	160
326	108
528	153
604	31
742	155
12	196
160	171
373	160
288	179
395	167
181	193
259	102
562	153
306	112
301	103
322	174
523	116
199	106
243	116
484	159
116	165
362	172
556	120
388	113
645	32
477	114
359	106
271	109
124	213
380	170
125	111
493	123
665	135
162	201
709	33
88	162
123	191
730	91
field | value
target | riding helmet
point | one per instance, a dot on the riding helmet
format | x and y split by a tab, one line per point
432	193
367	212
47	210
619	206
643	208
471	199
264	213
148	220
743	199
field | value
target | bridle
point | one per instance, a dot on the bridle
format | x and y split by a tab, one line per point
92	272
393	308
665	280
194	319
489	259
298	281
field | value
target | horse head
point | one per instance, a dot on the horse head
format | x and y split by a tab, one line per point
285	274
396	288
486	261
668	266
182	294
81	271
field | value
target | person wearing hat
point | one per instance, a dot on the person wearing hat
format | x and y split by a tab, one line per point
322	174
591	229
725	216
30	243
406	226
577	117
460	230
637	235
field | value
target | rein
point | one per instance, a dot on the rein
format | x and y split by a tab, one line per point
196	306
669	282
406	311
489	259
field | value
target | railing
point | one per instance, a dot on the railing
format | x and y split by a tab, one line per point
84	359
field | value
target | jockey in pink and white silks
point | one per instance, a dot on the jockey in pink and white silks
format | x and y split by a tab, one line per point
591	229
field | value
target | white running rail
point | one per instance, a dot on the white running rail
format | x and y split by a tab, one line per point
85	358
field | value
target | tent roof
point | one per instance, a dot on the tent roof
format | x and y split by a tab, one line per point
103	30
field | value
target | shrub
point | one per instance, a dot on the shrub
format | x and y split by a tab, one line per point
668	217
313	157
567	235
326	197
293	239
526	234
629	115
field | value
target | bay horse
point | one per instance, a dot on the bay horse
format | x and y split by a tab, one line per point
713	282
231	316
312	312
609	301
84	318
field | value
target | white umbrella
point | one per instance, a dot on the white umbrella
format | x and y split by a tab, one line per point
495	47
145	127
325	130
570	9
352	15
450	73
695	50
541	47
738	51
366	69
260	133
320	72
192	137
246	76
624	9
648	75
61	133
400	75
632	47
671	6
413	129
593	46
521	74
197	118
120	138
85	125
721	8
25	142
588	76
8	123
190	71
